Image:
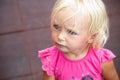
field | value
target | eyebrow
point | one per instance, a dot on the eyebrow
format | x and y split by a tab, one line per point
67	28
70	29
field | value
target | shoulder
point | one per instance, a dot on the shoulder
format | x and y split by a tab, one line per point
47	52
104	54
48	58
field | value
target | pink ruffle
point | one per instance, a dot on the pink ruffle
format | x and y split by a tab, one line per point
106	55
46	60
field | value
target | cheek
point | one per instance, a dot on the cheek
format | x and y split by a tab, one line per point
53	35
79	41
72	41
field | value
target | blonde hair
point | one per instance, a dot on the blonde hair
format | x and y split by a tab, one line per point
97	13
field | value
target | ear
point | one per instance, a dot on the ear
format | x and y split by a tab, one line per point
92	37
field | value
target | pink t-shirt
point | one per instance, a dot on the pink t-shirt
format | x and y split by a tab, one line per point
54	62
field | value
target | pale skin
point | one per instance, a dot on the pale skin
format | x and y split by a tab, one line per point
67	38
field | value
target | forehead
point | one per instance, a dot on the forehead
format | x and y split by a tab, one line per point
72	18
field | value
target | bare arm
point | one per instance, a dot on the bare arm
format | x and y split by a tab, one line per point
47	77
108	71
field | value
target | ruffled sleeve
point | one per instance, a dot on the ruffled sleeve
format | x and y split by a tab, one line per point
106	55
48	60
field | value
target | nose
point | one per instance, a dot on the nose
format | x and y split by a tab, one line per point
61	36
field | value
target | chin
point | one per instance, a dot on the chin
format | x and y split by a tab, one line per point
63	49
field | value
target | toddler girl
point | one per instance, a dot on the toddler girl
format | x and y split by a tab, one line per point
79	31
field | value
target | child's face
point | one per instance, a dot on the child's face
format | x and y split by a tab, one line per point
70	36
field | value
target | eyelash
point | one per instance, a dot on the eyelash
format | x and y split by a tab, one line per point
56	27
71	32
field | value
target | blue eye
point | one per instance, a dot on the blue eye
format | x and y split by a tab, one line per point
56	27
71	32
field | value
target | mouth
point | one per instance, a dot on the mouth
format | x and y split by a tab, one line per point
60	45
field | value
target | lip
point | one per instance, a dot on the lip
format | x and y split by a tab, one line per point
60	45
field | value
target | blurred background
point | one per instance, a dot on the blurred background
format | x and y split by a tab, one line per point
24	29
